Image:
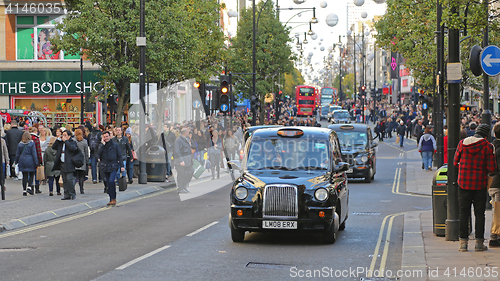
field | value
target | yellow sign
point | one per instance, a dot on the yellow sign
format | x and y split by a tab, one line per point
269	98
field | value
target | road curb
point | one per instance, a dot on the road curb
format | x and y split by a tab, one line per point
94	204
413	250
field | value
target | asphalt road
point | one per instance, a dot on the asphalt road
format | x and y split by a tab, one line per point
165	237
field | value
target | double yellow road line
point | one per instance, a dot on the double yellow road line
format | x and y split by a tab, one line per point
396	185
383	258
385	252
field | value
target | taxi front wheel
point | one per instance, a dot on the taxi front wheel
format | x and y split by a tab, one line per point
237	235
330	236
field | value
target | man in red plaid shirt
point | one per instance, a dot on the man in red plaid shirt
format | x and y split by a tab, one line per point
475	160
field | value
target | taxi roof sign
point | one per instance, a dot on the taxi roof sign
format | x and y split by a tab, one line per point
347	127
290	133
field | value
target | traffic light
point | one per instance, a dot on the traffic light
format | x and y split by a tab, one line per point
224	93
254	102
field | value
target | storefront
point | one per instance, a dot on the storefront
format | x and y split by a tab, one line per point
54	93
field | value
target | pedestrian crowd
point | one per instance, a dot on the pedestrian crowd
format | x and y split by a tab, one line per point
62	156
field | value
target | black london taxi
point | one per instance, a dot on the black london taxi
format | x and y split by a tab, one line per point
358	149
340	117
249	131
292	179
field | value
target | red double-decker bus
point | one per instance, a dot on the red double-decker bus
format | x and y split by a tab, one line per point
328	96
306	98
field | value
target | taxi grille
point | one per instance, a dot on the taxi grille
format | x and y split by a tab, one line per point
280	201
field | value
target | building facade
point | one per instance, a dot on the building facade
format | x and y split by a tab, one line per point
33	77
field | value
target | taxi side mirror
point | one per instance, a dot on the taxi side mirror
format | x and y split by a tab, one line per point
341	167
374	144
235	164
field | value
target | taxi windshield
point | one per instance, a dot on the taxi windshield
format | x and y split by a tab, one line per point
288	154
333	108
351	140
341	114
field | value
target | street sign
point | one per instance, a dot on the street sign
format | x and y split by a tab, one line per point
490	60
224	107
424	105
196	104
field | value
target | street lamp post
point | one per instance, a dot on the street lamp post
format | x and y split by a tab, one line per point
81	89
354	62
254	62
143	176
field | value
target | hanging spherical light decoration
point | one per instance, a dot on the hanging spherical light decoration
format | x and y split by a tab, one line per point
323	4
358	2
332	20
364	15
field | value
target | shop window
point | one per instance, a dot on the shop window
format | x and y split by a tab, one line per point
33	40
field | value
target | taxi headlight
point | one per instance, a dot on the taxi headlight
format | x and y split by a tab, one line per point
241	193
361	159
321	194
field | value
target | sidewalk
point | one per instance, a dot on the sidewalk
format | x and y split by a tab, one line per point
19	211
431	256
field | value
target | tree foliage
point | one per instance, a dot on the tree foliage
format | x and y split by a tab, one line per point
273	53
414	36
183	40
292	79
347	84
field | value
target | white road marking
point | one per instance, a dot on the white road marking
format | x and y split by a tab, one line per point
203	228
142	257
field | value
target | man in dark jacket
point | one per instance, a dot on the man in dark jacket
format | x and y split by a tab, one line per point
477	162
183	161
111	161
66	149
419	131
94	141
12	139
472	129
168	139
401	130
125	148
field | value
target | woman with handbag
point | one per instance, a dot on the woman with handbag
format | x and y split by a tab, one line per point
27	159
81	172
214	151
49	158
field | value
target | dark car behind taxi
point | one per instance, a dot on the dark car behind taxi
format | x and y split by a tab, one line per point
358	149
292	179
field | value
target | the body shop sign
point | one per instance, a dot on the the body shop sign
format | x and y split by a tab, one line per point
47	82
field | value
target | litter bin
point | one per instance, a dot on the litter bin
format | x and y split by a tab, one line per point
156	165
439	200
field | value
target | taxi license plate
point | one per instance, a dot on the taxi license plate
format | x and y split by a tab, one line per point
279	224
349	171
